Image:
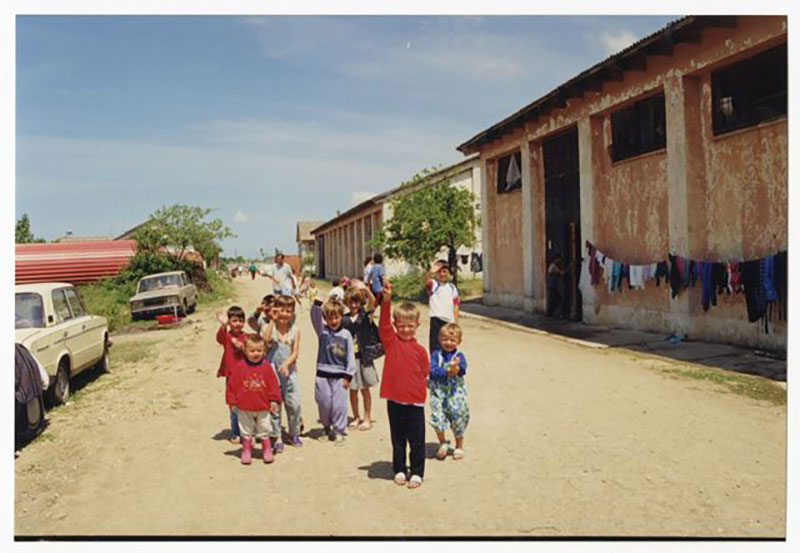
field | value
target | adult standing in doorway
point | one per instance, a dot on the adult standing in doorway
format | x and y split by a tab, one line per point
283	282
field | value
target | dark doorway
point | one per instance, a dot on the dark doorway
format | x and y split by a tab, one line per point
563	216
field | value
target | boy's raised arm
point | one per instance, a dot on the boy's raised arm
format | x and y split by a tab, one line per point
385	330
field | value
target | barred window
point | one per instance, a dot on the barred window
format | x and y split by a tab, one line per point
749	92
639	128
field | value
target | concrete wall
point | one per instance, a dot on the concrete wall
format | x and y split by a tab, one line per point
704	197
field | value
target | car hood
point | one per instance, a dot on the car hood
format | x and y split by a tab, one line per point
25	336
168	291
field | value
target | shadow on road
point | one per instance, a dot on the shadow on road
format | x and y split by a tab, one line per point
379	469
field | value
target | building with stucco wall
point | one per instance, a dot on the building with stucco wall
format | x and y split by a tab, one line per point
343	241
675	146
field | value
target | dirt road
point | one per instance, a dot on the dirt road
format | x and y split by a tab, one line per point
565	440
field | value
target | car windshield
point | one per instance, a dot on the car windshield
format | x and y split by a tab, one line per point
156	283
28	310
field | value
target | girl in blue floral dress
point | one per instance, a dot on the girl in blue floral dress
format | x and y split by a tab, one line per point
448	391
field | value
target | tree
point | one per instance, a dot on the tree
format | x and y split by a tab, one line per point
180	226
427	218
22	231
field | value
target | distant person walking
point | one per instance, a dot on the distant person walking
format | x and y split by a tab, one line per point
252	268
283	282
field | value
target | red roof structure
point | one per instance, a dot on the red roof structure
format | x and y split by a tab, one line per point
73	262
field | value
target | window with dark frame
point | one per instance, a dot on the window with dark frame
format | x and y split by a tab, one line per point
639	128
509	173
750	91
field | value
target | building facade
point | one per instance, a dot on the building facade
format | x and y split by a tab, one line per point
676	146
343	242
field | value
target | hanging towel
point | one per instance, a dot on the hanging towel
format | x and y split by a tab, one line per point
609	272
616	276
636	279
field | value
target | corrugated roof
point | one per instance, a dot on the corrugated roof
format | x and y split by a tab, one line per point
661	42
74	262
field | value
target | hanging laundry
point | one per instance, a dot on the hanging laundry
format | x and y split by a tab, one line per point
636	276
662	271
719	278
608	272
750	272
675	277
685	271
705	281
476	263
781	284
624	274
513	174
694	272
734	279
595	269
616	276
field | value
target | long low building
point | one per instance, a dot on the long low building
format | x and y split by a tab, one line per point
343	242
670	155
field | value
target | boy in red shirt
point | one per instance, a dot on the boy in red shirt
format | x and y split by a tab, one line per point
257	393
231	337
405	372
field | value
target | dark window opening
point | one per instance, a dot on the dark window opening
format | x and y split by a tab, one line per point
639	128
509	173
750	91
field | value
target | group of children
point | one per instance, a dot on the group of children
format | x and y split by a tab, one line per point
261	373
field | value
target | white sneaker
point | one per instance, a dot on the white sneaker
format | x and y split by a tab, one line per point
400	478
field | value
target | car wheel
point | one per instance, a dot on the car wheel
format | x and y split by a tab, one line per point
193	308
105	361
59	391
183	309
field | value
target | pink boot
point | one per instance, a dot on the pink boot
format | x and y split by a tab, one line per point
246	444
266	450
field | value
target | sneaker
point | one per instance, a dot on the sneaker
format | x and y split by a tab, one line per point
415	482
458	454
400	478
235	439
441	453
295	441
277	447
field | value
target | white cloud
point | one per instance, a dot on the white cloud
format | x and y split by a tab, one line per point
240	217
617	41
359	196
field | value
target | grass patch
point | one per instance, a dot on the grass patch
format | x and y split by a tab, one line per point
470	287
131	352
743	385
221	288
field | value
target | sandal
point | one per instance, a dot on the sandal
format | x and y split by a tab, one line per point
354	423
458	454
415	482
441	453
400	478
365	425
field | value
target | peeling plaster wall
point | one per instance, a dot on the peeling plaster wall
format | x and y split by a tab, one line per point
704	197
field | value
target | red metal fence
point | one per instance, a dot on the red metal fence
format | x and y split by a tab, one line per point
74	262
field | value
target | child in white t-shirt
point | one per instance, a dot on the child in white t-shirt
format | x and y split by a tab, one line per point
442	301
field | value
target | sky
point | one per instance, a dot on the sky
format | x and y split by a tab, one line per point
269	120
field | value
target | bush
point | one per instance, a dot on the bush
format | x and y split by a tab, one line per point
410	286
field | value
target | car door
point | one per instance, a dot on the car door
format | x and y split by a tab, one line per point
191	289
81	338
64	331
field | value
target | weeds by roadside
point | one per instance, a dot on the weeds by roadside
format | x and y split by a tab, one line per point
743	385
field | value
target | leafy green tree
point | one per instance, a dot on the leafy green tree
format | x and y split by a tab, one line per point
22	231
427	218
180	226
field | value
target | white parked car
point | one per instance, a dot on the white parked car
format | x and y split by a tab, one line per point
163	294
51	320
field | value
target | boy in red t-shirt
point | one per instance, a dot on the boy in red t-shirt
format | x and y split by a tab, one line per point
257	393
405	372
231	337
